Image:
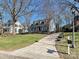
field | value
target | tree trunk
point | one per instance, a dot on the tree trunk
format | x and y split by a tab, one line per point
14	21
13	32
57	28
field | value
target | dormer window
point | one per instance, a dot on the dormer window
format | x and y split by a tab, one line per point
42	22
36	23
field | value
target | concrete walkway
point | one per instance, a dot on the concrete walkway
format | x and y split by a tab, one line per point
44	49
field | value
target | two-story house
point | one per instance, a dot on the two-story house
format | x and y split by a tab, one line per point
45	25
39	26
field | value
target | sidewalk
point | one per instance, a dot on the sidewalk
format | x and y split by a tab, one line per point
44	49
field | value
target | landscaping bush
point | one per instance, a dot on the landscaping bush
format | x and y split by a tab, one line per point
67	28
61	35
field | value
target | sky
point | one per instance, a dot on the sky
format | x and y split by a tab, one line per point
35	15
38	14
55	7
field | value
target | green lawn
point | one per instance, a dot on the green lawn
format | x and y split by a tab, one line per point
62	47
18	41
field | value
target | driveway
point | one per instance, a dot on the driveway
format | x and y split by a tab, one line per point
44	49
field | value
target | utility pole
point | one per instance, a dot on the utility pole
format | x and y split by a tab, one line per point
74	9
73	34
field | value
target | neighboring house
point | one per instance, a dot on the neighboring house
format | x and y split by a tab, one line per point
43	26
25	29
76	21
69	27
18	28
52	27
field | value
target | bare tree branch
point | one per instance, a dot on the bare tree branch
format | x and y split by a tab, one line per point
21	3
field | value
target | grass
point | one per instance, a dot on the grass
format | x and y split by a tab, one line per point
62	47
10	43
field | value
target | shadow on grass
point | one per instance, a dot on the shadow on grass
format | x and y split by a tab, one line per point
52	51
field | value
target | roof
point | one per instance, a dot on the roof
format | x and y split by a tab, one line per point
18	23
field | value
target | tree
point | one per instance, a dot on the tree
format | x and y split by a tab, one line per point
16	9
27	21
1	24
75	11
54	10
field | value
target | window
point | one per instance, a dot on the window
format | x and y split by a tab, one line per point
42	22
15	30
36	23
